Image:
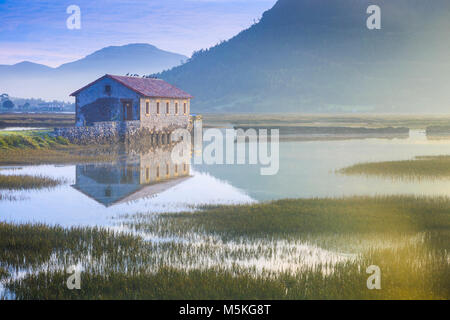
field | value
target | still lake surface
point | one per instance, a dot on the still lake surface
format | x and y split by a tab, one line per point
95	194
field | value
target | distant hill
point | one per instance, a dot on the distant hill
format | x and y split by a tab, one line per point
23	67
29	79
133	58
319	56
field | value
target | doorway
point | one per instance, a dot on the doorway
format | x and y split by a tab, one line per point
127	110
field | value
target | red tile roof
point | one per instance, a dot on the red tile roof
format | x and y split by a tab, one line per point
149	87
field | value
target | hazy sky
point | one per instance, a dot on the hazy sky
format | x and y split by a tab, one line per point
35	30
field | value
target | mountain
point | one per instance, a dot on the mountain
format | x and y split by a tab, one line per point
131	58
25	67
27	79
319	56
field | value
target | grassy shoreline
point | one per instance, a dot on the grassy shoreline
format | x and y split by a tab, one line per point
39	120
26	182
382	214
433	167
327	120
41	147
124	266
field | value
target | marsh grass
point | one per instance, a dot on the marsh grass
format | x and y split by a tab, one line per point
414	260
438	131
30	140
26	182
40	147
430	167
343	120
34	147
3	273
414	272
50	120
68	155
382	214
28	245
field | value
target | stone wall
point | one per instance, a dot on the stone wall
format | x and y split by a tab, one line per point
121	131
100	132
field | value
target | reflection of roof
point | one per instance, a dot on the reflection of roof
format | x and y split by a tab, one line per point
149	87
140	191
152	189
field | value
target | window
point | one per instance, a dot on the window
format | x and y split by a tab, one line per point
167	169
147	174
157	172
157	107
176	169
108	89
167	107
185	108
176	107
184	167
147	107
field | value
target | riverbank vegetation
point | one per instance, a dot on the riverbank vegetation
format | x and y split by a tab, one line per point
433	167
25	182
41	147
326	120
407	237
3	273
37	120
384	214
32	139
438	130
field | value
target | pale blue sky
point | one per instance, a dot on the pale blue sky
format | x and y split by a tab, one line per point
35	30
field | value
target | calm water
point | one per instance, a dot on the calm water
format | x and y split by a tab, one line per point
149	183
94	194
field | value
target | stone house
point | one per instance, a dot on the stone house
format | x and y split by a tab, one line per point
122	101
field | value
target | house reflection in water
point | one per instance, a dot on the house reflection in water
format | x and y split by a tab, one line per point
140	176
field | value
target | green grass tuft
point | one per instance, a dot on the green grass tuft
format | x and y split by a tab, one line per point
23	182
30	140
394	214
432	167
